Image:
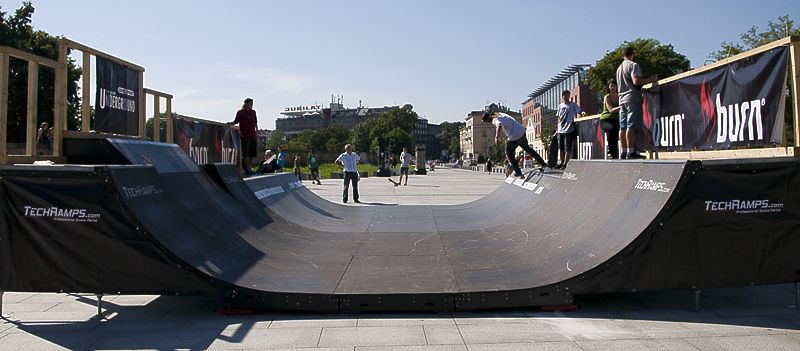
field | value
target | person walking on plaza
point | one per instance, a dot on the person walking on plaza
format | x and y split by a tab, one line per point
296	167
405	162
248	124
630	82
313	167
281	159
567	111
515	133
609	120
348	161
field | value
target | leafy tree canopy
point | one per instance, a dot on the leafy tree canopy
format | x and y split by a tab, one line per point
782	27
652	56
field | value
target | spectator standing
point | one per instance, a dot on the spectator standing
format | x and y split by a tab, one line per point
567	111
296	167
405	163
629	82
313	167
348	160
43	134
609	120
248	124
281	159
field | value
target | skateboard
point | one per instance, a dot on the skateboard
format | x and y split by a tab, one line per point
393	182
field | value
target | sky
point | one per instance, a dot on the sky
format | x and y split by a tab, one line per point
444	57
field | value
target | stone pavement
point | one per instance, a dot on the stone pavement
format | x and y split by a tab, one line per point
751	318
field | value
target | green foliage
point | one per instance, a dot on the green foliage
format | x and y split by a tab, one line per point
650	54
497	152
752	38
326	139
395	126
278	138
449	138
162	127
17	32
548	129
359	136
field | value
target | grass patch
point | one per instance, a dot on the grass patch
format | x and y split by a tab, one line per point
325	169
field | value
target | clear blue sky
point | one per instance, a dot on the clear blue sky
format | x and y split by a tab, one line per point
444	57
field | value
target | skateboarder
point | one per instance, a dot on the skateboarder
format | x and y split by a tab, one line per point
515	133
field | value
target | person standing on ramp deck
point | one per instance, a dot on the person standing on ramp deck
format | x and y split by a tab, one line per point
248	124
629	83
515	133
348	160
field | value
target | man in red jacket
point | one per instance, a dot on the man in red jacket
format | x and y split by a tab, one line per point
248	124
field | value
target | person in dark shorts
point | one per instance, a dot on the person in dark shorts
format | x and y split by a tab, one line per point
566	113
248	124
405	162
313	167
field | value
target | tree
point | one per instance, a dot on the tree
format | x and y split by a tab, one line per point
333	138
752	38
395	126
359	136
450	136
278	138
17	32
650	54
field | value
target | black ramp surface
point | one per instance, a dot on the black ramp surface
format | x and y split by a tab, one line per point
270	242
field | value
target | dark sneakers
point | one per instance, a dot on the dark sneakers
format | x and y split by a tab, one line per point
636	156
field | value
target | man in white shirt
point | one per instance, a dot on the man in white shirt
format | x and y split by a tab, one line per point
405	162
515	133
348	160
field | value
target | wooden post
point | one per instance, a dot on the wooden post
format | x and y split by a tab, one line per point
142	102
86	123
3	105
33	108
60	92
794	51
156	118
169	120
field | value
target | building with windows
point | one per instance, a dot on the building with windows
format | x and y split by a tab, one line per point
477	137
300	118
425	133
539	109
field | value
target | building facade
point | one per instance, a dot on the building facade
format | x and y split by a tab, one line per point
425	133
315	117
477	137
540	107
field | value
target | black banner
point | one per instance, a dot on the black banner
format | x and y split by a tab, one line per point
206	142
117	98
740	104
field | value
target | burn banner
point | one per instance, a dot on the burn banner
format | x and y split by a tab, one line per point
117	98
206	142
740	104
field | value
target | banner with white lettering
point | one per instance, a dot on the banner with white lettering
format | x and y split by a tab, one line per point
740	104
206	142
117	98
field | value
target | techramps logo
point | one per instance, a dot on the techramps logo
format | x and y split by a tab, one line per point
744	206
58	214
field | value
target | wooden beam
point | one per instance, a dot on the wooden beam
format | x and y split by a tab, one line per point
158	93
794	58
86	86
156	118
738	153
3	105
78	46
755	51
142	102
60	92
33	108
169	120
44	61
